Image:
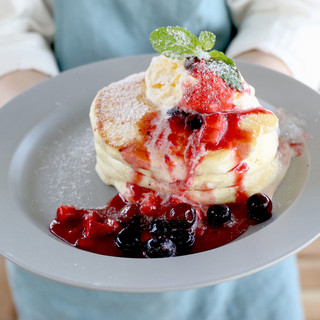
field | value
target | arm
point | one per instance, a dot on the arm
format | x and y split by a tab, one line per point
16	82
284	30
266	60
26	31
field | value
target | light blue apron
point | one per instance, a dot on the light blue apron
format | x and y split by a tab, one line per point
88	31
272	294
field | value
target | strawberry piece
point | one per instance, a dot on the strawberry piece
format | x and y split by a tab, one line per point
149	204
128	212
66	213
216	127
95	228
210	93
86	243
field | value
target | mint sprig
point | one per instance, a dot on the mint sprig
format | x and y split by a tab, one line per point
179	43
207	40
175	42
229	73
218	55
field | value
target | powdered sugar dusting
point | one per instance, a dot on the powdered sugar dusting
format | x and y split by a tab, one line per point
293	131
115	120
117	95
66	167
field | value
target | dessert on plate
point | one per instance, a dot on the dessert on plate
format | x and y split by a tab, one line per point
194	156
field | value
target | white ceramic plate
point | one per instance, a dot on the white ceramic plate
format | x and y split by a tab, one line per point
47	159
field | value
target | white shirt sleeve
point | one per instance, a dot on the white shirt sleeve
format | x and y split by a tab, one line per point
288	29
26	32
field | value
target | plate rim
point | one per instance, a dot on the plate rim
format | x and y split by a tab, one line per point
112	282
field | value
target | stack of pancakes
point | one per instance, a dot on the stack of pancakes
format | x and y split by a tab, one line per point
126	124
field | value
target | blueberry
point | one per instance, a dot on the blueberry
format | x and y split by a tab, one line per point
159	227
177	112
160	247
218	214
183	239
136	223
128	240
194	121
183	214
259	207
190	62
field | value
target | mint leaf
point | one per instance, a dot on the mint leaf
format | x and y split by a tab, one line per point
207	40
175	42
179	43
218	55
229	73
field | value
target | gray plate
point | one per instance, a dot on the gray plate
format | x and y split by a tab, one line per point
47	159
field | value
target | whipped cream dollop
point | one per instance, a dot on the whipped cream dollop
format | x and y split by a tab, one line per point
164	80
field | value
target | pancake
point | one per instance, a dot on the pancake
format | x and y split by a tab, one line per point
134	145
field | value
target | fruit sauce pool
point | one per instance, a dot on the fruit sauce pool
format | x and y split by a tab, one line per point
170	227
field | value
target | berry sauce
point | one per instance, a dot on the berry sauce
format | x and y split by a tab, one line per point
123	228
147	224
